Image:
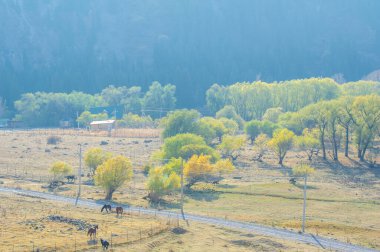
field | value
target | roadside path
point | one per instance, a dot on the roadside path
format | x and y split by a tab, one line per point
318	241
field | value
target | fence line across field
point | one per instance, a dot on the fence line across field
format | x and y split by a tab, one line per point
131	236
118	133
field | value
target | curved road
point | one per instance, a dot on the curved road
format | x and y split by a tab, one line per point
324	243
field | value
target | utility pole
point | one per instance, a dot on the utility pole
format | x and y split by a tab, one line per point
304	203
183	214
79	174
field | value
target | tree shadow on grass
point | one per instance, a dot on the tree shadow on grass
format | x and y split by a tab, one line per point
203	195
226	186
164	204
309	187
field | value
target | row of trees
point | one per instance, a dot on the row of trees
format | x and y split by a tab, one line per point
252	100
157	98
324	125
339	121
48	109
197	161
257	100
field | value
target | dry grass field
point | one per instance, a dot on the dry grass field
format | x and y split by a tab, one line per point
31	223
343	198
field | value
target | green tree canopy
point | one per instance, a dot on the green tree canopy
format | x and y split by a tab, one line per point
230	113
308	142
158	98
86	118
272	114
172	145
231	145
181	121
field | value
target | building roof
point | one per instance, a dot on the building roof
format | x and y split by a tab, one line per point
102	122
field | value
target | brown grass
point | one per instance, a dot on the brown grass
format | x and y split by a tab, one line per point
343	198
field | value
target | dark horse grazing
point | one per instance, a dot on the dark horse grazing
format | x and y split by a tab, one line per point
70	178
92	231
104	243
106	207
119	210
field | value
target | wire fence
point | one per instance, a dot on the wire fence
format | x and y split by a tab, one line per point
119	132
131	236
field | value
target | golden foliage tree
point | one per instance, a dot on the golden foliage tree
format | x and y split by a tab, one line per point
95	157
113	173
199	168
60	169
161	183
281	143
302	170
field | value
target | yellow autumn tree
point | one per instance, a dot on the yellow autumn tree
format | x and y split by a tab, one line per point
95	157
302	170
199	168
113	173
161	183
281	143
60	169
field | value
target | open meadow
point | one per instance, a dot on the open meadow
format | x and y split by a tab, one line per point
30	223
343	198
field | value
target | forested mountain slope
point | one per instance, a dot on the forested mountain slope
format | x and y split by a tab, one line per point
86	45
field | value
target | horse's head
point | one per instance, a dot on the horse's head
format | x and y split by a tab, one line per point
96	226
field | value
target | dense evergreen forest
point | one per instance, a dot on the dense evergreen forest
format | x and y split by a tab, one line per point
65	45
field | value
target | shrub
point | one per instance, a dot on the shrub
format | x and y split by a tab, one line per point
135	121
302	170
54	140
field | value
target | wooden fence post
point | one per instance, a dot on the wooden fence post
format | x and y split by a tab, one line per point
111	239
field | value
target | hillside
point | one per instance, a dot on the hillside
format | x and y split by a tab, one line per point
85	45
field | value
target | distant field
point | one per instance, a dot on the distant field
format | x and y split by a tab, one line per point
343	198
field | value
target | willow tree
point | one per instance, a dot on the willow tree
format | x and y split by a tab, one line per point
112	174
308	142
366	111
345	119
281	143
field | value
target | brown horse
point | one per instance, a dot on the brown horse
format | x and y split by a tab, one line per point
92	231
119	210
